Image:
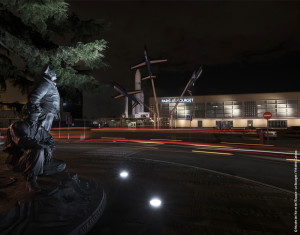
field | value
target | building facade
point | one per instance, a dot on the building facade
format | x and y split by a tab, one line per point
9	100
231	111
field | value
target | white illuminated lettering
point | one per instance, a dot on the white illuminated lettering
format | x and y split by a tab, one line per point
185	100
165	100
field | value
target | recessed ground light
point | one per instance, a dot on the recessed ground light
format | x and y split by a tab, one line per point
155	202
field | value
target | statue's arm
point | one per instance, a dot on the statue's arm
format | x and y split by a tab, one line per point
10	147
38	93
45	139
48	143
9	143
29	143
20	136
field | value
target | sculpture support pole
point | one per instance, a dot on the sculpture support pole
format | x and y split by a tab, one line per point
84	129
187	85
138	86
194	76
126	107
156	119
140	101
171	115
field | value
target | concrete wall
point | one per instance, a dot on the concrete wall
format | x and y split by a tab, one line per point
293	122
259	122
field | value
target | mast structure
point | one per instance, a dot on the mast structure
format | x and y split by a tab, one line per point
190	83
147	63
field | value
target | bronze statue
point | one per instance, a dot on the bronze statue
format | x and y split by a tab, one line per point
29	147
44	101
68	205
29	144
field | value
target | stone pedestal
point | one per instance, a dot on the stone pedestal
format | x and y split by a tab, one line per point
66	205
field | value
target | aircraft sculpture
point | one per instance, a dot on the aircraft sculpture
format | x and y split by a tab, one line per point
148	63
122	93
150	76
193	80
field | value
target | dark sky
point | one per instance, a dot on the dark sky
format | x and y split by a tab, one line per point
244	46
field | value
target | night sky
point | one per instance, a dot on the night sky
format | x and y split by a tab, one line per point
243	46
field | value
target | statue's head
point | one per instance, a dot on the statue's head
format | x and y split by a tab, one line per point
50	73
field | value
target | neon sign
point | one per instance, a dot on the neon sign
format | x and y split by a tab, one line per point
182	100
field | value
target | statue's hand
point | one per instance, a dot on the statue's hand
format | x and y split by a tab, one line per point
48	155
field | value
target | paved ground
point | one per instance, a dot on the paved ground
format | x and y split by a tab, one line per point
194	201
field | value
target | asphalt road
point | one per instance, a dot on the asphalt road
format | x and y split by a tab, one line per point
204	190
273	171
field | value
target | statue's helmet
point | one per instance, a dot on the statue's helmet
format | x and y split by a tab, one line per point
50	73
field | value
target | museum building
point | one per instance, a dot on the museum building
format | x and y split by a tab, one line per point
231	111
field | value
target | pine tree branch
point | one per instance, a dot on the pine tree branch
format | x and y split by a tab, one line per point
38	13
21	37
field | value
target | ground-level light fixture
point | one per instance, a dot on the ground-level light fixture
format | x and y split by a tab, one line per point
155	202
124	174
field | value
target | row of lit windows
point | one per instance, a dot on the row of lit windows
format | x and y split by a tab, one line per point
278	108
232	109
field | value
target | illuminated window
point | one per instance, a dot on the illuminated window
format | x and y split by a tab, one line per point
250	109
180	110
214	110
183	109
164	112
278	108
199	110
261	108
292	108
228	109
189	109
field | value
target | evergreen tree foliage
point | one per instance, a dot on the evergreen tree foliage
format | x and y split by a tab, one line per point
36	33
